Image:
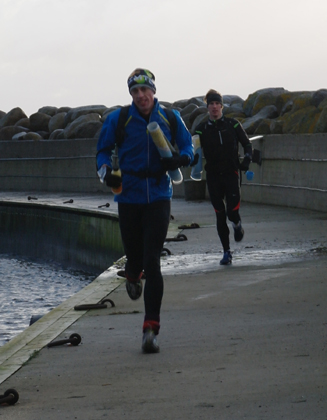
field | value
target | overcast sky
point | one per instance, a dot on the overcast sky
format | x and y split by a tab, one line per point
80	52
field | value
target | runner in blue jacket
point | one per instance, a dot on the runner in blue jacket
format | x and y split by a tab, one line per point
144	202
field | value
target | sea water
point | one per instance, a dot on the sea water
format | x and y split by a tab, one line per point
32	288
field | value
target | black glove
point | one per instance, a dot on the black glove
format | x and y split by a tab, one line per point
174	162
195	160
112	181
244	166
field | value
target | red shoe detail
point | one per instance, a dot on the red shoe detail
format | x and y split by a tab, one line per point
133	280
151	325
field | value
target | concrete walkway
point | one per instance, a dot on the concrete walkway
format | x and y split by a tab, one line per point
243	341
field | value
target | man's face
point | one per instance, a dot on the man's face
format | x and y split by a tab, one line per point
215	110
143	98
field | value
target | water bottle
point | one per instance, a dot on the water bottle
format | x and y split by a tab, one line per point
249	175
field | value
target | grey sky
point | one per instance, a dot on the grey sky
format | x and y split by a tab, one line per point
80	52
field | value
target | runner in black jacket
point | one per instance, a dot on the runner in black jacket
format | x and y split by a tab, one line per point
220	137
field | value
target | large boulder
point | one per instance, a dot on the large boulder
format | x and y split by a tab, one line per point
19	136
109	111
186	112
57	121
24	122
230	100
234	109
165	104
43	134
199	119
71	130
263	127
304	100
64	109
287	107
322	104
261	99
49	110
276	127
88	130
12	117
57	134
275	96
27	136
198	111
251	124
39	121
188	109
75	113
319	96
33	136
7	133
197	100
321	125
181	103
302	121
237	115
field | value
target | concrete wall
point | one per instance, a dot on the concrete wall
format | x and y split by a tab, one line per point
77	238
293	171
59	165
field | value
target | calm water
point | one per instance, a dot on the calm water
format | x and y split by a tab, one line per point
33	287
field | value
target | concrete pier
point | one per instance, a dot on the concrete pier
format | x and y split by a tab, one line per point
242	341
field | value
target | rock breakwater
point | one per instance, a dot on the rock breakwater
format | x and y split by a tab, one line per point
266	111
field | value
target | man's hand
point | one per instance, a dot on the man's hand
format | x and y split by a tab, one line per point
246	163
175	162
195	160
112	181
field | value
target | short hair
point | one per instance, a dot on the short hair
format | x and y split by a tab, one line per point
213	95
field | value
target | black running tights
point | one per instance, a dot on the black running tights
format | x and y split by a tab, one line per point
143	229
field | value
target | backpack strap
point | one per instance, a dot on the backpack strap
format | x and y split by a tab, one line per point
171	117
121	124
120	129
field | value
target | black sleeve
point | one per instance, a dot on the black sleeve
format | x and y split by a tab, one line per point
243	138
199	130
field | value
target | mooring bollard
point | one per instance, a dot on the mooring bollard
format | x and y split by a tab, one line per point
100	305
112	303
10	397
74	340
165	251
190	226
121	273
180	237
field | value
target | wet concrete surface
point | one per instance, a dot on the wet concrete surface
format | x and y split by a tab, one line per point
241	341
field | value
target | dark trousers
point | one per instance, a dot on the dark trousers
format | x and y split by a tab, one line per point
144	229
225	196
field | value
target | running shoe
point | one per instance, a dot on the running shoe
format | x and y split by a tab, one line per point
149	342
134	289
238	232
227	258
